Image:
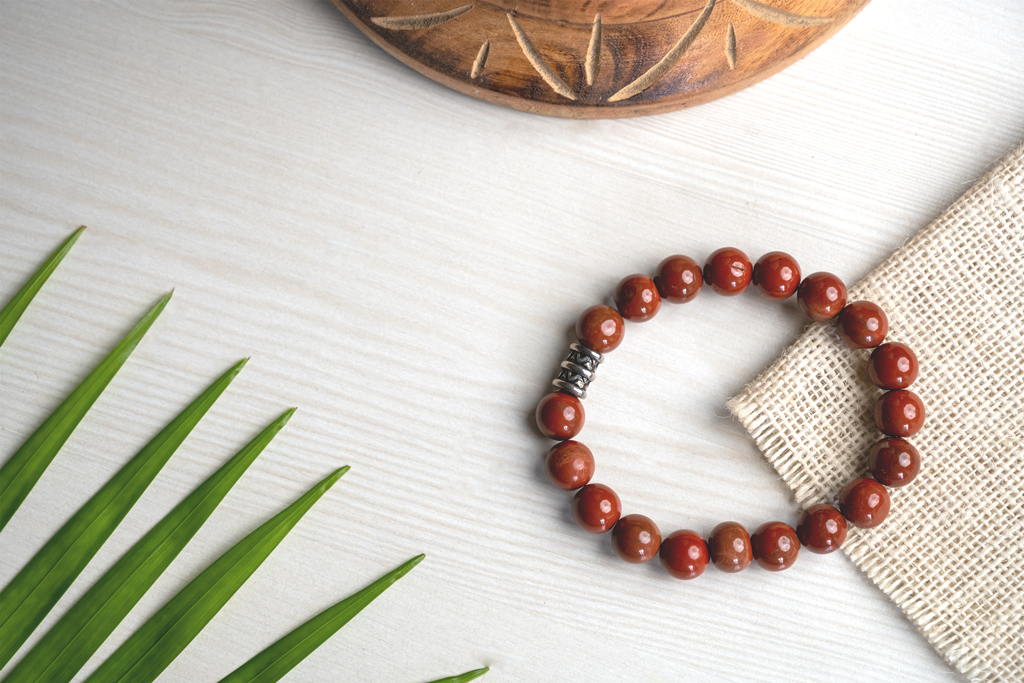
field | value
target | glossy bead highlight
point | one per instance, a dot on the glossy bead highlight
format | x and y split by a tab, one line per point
775	546
894	462
600	328
863	325
728	271
679	279
636	539
560	416
569	465
729	547
776	275
596	508
865	503
899	413
893	366
637	298
684	554
822	529
821	296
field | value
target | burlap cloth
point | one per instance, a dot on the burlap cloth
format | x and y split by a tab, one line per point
951	553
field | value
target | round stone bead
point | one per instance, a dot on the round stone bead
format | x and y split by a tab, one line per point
596	508
637	298
893	366
729	547
569	465
560	416
821	296
865	503
636	539
775	546
822	529
894	462
679	279
863	325
684	554
728	271
776	275
600	328
899	413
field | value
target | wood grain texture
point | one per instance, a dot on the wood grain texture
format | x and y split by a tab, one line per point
405	265
660	56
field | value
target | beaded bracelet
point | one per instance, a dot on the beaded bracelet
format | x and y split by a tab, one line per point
864	502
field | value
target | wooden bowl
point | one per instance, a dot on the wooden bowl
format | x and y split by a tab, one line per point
598	58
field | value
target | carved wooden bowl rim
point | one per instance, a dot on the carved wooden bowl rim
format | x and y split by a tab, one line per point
535	61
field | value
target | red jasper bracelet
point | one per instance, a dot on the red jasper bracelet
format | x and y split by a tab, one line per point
864	502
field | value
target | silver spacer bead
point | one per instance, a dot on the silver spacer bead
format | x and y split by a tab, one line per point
577	370
567	388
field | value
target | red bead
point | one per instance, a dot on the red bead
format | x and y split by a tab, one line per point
894	462
729	547
600	328
821	296
776	275
865	503
636	539
775	546
822	529
560	416
728	271
596	508
899	413
863	325
637	298
893	366
569	465
684	554
679	279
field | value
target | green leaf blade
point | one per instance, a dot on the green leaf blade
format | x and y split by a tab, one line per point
80	632
279	658
464	678
23	469
155	645
12	311
33	592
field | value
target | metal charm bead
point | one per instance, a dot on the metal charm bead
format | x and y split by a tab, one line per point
577	370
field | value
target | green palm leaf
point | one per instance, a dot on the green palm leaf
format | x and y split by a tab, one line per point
21	472
17	305
464	678
155	645
75	638
40	584
26	600
279	658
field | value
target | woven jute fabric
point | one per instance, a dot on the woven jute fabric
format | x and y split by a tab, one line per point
951	552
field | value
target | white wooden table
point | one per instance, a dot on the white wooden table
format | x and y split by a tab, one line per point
405	264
